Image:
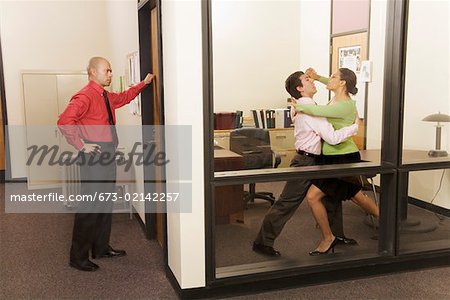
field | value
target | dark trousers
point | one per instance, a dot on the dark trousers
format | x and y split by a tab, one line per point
92	224
290	199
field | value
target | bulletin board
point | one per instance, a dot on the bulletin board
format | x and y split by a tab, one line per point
349	51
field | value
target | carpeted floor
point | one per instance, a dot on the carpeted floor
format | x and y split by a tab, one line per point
433	284
34	261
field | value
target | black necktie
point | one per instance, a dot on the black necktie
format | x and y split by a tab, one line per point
115	139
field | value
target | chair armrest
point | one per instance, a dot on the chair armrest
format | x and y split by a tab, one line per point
276	159
251	151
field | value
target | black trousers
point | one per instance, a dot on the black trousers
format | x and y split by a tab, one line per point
290	199
92	224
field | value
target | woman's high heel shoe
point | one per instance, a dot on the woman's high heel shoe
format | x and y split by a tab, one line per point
332	245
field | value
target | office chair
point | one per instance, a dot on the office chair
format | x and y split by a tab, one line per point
254	145
369	185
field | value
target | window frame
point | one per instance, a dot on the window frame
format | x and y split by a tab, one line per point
394	173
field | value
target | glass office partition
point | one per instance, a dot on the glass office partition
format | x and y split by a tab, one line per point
426	128
254	126
425	221
424	208
245	216
252	58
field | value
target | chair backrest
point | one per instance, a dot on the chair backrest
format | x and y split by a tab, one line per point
254	145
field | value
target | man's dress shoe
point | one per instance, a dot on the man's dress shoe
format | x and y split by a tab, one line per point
110	253
346	241
266	250
86	265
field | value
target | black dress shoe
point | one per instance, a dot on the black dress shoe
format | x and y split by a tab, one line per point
346	241
86	265
110	253
266	250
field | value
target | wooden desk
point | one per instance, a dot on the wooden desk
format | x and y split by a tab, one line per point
229	200
408	157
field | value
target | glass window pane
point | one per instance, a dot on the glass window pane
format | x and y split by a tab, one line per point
427	101
252	58
425	213
244	216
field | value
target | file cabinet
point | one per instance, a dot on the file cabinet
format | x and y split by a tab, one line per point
281	141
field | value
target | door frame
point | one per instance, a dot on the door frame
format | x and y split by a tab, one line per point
331	66
4	174
145	56
392	182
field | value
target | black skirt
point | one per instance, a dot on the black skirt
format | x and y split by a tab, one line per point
339	188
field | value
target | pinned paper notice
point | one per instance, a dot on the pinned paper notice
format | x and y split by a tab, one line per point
134	107
366	71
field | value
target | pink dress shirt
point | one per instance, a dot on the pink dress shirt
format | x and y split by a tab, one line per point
309	131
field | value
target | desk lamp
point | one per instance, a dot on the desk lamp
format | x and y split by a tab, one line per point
439	118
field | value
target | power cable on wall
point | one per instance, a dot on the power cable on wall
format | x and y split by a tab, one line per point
440	217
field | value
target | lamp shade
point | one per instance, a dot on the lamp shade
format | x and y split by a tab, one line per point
437	118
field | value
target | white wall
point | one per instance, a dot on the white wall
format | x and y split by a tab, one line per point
45	35
315	24
427	91
256	46
182	64
428	54
420	98
122	22
377	41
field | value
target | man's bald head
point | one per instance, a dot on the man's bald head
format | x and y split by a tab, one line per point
95	62
99	71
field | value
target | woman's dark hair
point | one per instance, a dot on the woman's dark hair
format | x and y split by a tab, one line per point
292	82
350	80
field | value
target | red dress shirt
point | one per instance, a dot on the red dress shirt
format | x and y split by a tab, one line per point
86	116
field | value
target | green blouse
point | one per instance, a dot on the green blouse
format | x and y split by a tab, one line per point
340	114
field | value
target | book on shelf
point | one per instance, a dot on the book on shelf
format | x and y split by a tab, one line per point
287	118
279	117
272	118
283	118
255	118
239	119
261	120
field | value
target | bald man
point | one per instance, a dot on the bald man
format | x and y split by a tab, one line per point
88	124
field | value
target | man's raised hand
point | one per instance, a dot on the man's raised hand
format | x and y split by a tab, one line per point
149	78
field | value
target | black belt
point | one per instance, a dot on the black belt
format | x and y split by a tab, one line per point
100	143
301	152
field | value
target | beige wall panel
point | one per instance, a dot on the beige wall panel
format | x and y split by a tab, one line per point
41	111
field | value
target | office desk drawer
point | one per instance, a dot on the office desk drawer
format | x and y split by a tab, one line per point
282	139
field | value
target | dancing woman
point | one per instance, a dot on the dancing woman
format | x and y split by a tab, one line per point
340	112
